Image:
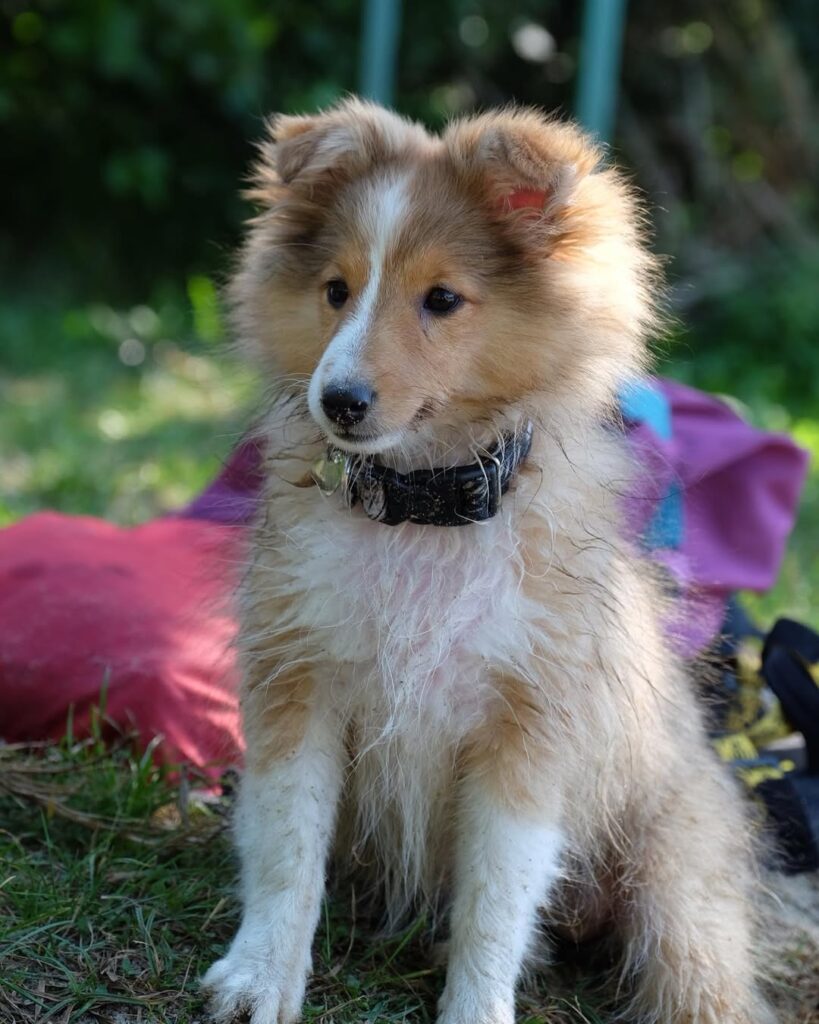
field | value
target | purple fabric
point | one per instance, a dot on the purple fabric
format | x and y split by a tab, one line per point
233	496
740	488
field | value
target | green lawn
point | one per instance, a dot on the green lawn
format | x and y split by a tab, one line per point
115	413
117	892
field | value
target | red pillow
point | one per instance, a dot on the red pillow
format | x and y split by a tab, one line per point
143	611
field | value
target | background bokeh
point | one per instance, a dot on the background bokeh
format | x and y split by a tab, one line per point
127	128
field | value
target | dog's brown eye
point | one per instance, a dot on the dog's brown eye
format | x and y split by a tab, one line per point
337	293
441	300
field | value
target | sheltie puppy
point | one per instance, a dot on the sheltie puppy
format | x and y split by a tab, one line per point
451	635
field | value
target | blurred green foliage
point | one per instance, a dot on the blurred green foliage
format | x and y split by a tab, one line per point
122	413
761	340
128	126
131	125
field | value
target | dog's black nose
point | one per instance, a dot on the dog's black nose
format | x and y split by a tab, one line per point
348	404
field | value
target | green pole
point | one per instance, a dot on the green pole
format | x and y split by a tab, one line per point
601	47
379	46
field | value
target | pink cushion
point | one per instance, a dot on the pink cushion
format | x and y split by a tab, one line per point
145	611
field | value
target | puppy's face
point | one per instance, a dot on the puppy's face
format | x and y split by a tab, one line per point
420	283
413	307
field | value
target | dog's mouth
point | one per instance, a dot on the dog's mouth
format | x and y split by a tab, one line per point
369	438
363	442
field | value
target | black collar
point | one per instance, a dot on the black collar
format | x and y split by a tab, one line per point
453	496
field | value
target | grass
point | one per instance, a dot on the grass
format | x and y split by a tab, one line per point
117	891
103	907
116	413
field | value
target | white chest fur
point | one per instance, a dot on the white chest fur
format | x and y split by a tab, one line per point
412	615
403	626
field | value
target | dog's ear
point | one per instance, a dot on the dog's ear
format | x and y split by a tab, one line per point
525	165
314	151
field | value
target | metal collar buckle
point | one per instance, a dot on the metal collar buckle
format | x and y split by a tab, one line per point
498	479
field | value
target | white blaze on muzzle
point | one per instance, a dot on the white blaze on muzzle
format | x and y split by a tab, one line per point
341	364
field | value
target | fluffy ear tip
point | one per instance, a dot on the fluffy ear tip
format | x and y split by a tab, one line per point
520	131
281	127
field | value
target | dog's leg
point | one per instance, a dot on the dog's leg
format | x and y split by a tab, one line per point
688	917
285	819
506	862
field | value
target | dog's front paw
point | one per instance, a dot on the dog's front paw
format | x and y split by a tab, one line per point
462	1004
257	980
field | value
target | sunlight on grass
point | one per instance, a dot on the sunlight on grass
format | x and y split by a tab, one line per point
796	594
87	430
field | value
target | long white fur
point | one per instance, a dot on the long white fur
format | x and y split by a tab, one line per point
284	824
411	621
505	866
401	626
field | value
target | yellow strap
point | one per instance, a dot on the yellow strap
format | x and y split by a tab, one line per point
735	746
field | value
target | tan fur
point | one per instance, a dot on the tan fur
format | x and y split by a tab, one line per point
276	704
590	719
515	743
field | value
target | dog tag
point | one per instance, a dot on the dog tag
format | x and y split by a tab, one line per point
329	471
